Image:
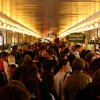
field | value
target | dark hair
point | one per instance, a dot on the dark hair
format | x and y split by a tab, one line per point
2	79
95	65
18	72
62	62
30	66
4	54
87	51
14	48
30	81
49	51
66	50
14	93
47	77
12	66
29	47
77	46
49	64
61	55
89	56
78	64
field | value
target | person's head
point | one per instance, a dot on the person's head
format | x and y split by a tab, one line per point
90	56
49	64
64	65
48	53
78	48
27	58
43	53
29	47
15	47
30	81
87	51
97	54
24	48
11	60
95	65
14	93
30	66
67	51
78	64
18	72
4	55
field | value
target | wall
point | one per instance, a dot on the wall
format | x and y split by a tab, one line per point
14	37
92	34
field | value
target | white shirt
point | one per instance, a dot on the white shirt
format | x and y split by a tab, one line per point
57	78
77	55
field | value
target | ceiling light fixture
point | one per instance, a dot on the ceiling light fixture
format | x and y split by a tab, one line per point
15	26
90	23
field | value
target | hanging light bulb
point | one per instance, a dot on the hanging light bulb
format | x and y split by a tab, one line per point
1	19
84	28
8	23
96	24
87	28
14	29
91	26
4	25
8	27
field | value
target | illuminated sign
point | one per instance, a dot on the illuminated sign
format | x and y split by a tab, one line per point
76	37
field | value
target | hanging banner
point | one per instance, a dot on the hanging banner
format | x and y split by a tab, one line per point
76	37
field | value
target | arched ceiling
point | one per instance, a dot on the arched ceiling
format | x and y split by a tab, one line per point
44	16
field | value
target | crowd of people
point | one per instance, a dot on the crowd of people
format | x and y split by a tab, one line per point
50	71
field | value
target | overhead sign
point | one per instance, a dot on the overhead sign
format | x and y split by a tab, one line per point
76	37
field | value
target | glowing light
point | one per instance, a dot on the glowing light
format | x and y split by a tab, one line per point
97	19
84	28
0	23
93	38
8	27
96	24
3	20
13	25
4	25
87	28
91	26
88	24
